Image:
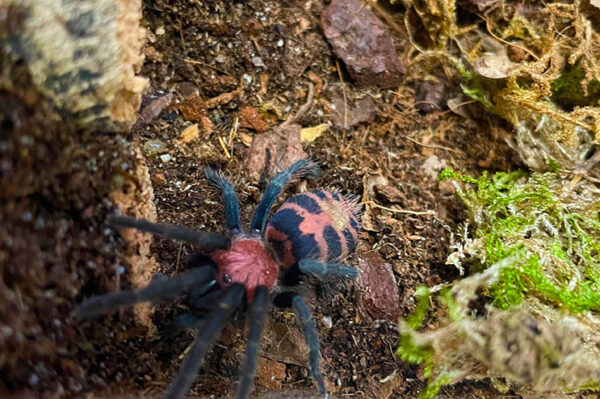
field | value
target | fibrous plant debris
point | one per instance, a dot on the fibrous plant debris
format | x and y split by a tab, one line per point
529	313
543	79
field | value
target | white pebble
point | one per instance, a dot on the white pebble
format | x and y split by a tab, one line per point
258	62
165	157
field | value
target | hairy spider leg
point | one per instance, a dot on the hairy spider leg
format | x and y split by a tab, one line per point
262	181
160	290
276	185
205	241
316	268
201	300
229	198
304	316
257	322
221	314
180	323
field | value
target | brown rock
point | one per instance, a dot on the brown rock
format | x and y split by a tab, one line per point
283	342
363	111
285	147
389	193
362	41
378	285
431	96
270	374
251	119
154	108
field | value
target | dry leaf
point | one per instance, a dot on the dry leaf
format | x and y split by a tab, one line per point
188	134
310	134
246	139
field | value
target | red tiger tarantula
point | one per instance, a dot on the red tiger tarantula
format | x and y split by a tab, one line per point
309	234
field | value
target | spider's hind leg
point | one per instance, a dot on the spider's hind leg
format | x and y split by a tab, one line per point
300	168
316	268
304	316
230	201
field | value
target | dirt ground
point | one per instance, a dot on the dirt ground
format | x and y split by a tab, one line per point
273	50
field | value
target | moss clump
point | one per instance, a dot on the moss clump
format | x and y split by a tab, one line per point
534	259
567	92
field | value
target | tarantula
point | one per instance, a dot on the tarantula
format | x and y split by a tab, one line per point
309	234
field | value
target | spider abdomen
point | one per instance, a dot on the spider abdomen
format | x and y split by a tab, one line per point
319	225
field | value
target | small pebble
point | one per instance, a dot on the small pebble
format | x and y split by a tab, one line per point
160	31
33	380
165	158
327	321
26	216
154	147
258	62
280	43
247	78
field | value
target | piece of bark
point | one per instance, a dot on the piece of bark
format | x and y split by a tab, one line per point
362	41
81	55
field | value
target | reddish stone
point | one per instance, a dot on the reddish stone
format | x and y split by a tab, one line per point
284	145
363	111
378	285
193	108
362	41
251	119
431	96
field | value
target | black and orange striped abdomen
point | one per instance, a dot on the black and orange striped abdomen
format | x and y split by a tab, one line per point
319	225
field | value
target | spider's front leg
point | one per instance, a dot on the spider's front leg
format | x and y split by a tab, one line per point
257	321
204	241
291	299
161	290
192	280
222	312
300	168
229	198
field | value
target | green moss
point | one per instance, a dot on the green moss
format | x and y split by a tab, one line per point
415	319
541	238
567	90
408	351
515	208
476	88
